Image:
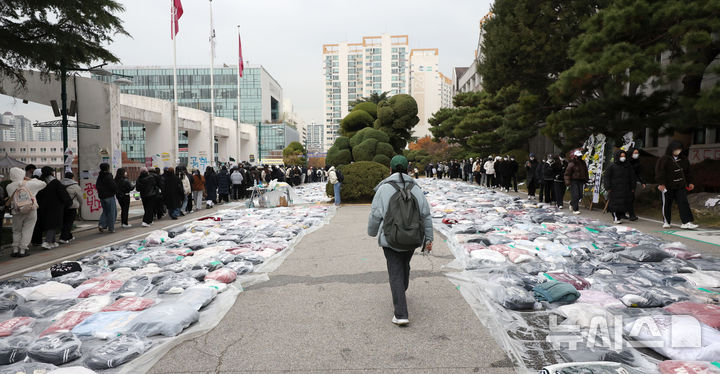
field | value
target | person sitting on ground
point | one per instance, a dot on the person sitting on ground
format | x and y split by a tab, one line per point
24	216
399	248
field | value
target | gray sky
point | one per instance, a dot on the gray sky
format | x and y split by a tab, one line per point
286	36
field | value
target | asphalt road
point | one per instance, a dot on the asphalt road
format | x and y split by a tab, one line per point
328	309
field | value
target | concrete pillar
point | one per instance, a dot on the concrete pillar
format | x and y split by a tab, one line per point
199	155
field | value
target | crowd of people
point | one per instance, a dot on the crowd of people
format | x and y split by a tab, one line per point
41	204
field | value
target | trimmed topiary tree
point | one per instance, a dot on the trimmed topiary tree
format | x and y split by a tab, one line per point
355	121
396	117
360	180
339	153
367	106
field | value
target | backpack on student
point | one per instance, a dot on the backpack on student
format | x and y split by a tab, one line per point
339	175
23	201
402	225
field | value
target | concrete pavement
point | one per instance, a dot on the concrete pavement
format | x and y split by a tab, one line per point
328	309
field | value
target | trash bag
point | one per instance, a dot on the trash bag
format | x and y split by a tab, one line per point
104	325
14	348
117	352
130	304
224	275
56	349
43	308
168	319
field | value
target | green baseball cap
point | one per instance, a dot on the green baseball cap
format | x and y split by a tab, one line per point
399	160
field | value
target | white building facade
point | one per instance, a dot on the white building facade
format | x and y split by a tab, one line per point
354	70
430	88
315	137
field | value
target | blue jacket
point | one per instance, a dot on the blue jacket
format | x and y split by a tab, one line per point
383	193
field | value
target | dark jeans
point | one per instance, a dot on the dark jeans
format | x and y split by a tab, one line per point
576	194
679	195
531	186
149	205
124	201
514	181
548	187
224	197
237	189
398	264
559	192
68	219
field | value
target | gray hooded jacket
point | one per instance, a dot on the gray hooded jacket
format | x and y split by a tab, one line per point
383	193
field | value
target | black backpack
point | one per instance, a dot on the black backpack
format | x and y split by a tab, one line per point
402	225
339	175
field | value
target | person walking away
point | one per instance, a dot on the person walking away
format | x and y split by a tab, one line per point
531	167
400	218
123	196
30	170
296	175
149	190
107	189
184	177
637	169
513	168
173	193
559	181
198	188
22	192
70	213
211	185
490	172
52	201
159	201
224	184
672	173
506	173
476	168
237	183
335	178
576	175
620	186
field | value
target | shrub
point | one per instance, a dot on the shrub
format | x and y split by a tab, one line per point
368	133
360	180
365	151
355	121
382	159
339	157
368	106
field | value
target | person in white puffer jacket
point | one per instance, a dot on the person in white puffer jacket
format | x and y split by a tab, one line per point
490	171
23	224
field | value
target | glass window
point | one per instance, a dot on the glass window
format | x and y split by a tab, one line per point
699	136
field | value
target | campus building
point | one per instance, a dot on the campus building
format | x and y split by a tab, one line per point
42	146
273	138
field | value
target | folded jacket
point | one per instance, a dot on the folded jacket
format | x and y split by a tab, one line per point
554	291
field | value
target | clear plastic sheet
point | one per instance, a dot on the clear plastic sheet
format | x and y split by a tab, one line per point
621	275
156	286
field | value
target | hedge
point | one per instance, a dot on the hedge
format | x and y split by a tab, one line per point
361	177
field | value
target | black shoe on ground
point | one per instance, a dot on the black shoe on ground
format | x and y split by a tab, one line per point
633	218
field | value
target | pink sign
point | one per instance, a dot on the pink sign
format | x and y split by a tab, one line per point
699	154
91	198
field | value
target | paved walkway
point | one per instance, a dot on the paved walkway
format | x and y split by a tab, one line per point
328	309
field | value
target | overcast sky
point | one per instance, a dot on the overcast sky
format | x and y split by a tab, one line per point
286	36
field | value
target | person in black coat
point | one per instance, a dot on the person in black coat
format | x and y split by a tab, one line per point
224	184
107	189
513	167
123	196
559	181
531	167
620	186
637	169
173	193
211	184
52	201
550	168
149	190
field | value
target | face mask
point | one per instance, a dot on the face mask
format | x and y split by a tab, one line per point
505	159
677	152
532	158
512	159
578	154
622	159
636	155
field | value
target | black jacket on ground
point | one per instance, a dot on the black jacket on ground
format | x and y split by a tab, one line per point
620	181
105	185
673	172
52	201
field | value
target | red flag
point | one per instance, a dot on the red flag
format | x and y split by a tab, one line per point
241	65
175	13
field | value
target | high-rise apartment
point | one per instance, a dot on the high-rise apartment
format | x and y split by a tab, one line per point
354	70
315	137
428	86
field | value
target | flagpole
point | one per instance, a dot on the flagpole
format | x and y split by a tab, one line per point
175	127
212	88
238	97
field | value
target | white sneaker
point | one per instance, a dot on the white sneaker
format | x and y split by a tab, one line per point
560	207
400	322
688	226
666	225
46	245
617	221
127	226
576	212
145	224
